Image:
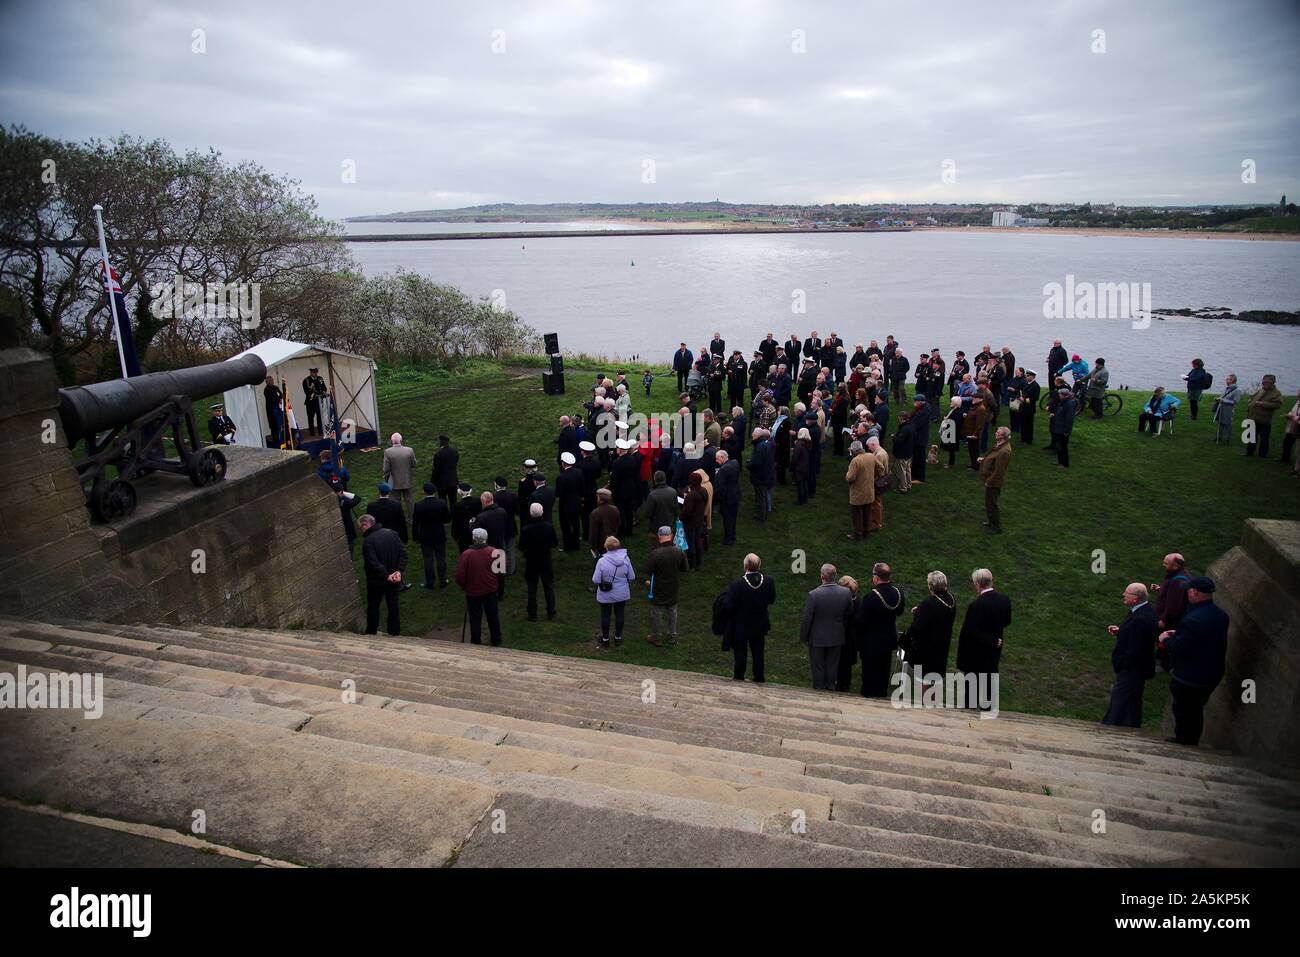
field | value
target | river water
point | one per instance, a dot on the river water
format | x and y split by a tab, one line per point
625	296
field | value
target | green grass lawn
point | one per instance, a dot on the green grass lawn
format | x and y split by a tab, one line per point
1134	497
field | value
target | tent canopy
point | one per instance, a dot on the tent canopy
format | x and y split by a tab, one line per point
351	380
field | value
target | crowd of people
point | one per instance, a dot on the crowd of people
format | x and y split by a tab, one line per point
809	402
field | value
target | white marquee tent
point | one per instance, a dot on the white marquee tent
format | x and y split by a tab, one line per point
351	380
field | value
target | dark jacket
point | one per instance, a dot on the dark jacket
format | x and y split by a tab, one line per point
762	465
748	599
904	442
568	489
1063	419
492	519
1135	643
390	515
661	508
929	637
509	501
876	626
801	459
604	522
591	470
987	617
444	477
545	496
665	565
461	515
695	507
382	553
726	484
428	518
1198	647
537	541
625	478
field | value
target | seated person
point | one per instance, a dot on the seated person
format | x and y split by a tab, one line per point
1159	408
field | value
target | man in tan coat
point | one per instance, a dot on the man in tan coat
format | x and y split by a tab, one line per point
993	472
399	465
861	477
1260	411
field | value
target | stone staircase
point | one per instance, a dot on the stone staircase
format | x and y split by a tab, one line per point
474	756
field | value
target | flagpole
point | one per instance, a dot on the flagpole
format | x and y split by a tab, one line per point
108	289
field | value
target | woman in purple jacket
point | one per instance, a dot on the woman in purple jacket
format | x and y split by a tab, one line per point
613	579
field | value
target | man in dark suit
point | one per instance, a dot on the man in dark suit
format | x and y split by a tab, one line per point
569	491
1134	658
876	625
1197	649
979	646
429	521
492	517
384	558
826	614
567	440
537	542
389	513
1029	406
812	346
737	372
793	349
748	599
508	501
444	476
718	346
683	359
920	426
767	348
625	483
590	467
462	514
544	494
762	473
726	489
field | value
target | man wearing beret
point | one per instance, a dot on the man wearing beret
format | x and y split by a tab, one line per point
1197	649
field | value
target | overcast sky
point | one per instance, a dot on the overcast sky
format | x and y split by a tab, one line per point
577	96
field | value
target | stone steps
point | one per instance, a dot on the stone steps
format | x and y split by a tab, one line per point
583	771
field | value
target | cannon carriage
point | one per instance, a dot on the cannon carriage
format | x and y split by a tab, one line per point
126	423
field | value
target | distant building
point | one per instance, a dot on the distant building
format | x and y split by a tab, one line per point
1024	221
1005	217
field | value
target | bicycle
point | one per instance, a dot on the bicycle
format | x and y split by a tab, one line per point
1111	402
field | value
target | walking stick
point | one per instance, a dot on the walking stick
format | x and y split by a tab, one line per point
464	622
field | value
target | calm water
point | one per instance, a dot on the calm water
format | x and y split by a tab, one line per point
951	290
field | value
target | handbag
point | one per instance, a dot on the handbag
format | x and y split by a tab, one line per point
885	482
1015	405
679	537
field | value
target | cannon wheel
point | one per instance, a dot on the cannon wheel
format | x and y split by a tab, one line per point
206	467
111	499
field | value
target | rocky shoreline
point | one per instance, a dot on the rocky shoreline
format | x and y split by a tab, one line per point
1269	317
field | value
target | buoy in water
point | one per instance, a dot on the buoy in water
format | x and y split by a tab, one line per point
633	262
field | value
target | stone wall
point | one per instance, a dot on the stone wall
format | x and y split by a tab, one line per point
1258	584
265	547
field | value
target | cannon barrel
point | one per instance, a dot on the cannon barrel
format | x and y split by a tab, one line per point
89	409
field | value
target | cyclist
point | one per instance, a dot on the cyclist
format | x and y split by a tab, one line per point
1077	367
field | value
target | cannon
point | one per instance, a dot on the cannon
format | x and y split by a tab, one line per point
126	421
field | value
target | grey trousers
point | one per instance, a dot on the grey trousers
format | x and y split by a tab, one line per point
825	666
663	621
404	494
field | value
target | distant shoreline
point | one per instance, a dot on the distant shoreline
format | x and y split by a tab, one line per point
708	227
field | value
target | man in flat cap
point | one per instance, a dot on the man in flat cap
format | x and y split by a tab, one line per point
1197	651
